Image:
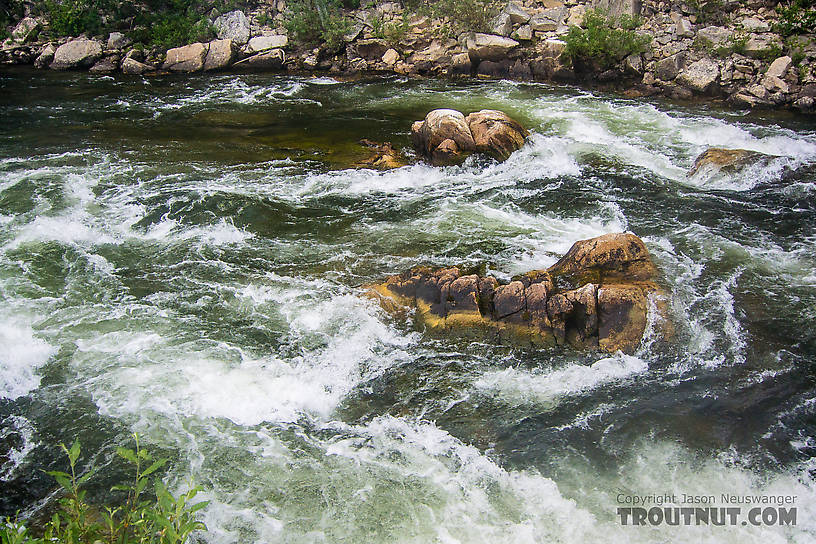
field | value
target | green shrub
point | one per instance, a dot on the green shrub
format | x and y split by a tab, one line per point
796	17
709	12
314	21
160	518
736	44
74	17
11	11
392	32
467	15
172	23
605	39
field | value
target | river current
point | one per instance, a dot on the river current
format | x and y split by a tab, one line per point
185	258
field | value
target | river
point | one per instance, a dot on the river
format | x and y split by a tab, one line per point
185	258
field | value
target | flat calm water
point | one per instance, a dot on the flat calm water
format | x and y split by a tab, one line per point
186	258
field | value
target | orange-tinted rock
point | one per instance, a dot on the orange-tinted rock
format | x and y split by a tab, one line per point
611	257
531	309
495	133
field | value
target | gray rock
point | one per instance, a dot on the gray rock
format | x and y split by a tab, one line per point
518	15
804	103
390	57
760	46
45	57
26	30
716	35
264	43
668	68
220	55
189	58
489	47
106	65
233	26
752	24
501	25
618	7
700	76
134	67
524	33
779	67
79	53
268	60
539	23
634	64
351	35
683	28
117	40
775	84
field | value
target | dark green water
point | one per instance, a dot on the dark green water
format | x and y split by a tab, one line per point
184	258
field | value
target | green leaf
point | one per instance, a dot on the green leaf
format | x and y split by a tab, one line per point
198	506
62	479
126	454
73	453
87	476
155	466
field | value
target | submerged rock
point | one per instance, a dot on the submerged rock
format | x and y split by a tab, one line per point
727	160
447	137
383	156
609	310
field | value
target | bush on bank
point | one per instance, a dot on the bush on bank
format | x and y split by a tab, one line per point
142	517
605	39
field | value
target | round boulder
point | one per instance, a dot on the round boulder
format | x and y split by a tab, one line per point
495	133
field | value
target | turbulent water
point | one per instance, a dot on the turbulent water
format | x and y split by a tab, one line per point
186	258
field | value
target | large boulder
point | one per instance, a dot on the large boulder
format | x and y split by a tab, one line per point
489	47
700	76
715	159
233	26
495	133
265	43
79	53
220	54
438	127
189	58
447	137
609	258
610	313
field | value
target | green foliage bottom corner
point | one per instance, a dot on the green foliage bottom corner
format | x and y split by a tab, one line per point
141	518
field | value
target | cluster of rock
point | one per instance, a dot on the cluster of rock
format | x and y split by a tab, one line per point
740	60
446	136
236	46
598	296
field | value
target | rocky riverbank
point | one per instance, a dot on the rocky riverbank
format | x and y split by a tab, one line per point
740	59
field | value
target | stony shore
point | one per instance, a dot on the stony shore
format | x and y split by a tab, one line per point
742	61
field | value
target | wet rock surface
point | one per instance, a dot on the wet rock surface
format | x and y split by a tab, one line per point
718	159
605	305
446	136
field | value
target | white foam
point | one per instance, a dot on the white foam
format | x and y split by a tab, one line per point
545	387
16	456
21	354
